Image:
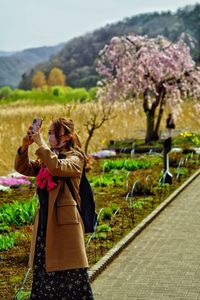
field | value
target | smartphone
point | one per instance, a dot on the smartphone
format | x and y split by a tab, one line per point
36	124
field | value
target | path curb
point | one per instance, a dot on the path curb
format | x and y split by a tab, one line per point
123	243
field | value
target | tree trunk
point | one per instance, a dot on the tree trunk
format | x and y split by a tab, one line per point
150	126
158	124
88	141
150	106
161	110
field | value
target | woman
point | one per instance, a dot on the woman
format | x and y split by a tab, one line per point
57	251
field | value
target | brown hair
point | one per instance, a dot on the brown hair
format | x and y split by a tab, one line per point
68	126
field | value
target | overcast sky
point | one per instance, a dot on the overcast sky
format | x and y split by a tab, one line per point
34	23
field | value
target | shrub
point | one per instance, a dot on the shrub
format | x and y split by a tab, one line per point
5	92
57	91
92	92
47	94
77	94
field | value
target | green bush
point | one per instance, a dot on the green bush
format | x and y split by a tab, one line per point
5	92
47	94
79	94
92	92
58	91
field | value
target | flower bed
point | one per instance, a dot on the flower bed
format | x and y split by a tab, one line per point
126	191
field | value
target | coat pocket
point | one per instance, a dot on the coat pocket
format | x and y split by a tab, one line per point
67	214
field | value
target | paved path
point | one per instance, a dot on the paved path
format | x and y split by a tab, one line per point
163	262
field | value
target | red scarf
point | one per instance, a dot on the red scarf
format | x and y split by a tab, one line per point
45	180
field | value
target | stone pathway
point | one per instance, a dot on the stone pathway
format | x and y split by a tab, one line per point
163	262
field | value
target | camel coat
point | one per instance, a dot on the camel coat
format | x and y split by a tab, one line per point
65	247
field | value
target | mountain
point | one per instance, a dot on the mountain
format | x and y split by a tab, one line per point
13	66
78	57
6	53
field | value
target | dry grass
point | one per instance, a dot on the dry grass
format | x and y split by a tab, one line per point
129	122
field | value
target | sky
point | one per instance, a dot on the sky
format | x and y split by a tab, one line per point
35	23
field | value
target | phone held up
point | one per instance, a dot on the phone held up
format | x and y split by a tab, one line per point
36	124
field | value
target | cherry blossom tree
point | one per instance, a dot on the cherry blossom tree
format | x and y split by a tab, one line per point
159	72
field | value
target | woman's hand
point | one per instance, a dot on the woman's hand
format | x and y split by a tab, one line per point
30	138
36	137
27	141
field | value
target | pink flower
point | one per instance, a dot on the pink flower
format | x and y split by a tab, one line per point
10	181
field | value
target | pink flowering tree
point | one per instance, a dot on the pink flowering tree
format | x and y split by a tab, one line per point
159	72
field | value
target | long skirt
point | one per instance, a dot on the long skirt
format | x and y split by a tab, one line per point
60	285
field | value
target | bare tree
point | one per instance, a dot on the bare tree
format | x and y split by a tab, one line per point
98	114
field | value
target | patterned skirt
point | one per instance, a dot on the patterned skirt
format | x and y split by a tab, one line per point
60	285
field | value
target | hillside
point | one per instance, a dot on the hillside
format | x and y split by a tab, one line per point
78	57
6	53
12	66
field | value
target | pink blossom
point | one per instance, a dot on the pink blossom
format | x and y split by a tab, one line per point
10	181
132	65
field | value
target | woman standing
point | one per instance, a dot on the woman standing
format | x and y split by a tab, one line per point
57	255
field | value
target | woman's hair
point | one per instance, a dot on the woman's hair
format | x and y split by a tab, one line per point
68	126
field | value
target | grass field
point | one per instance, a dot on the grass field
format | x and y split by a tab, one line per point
129	122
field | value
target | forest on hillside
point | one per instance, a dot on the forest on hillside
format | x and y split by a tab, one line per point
13	65
77	58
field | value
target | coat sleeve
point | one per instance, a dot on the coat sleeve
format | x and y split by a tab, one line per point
24	165
71	166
